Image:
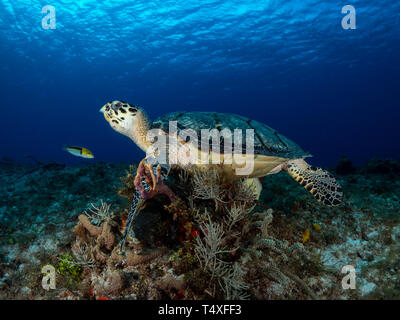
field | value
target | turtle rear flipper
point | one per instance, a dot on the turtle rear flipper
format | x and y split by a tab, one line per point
320	183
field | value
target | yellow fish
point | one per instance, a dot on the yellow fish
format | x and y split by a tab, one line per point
306	235
316	226
79	152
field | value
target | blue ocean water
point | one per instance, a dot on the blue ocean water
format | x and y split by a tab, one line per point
289	64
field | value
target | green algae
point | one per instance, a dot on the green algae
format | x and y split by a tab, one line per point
69	270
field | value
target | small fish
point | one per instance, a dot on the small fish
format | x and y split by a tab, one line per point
306	235
316	226
79	152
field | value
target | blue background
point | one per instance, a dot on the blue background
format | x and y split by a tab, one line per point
286	63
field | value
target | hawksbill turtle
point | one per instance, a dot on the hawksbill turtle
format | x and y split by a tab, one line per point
272	152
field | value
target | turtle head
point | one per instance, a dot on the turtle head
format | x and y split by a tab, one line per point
121	116
129	120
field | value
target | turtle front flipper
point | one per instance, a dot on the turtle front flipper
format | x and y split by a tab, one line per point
320	183
154	174
148	183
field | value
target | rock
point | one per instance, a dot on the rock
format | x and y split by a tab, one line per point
146	220
367	287
382	166
345	166
373	234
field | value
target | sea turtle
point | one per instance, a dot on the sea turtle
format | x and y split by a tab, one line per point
271	154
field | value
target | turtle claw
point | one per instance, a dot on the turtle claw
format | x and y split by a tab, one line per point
150	182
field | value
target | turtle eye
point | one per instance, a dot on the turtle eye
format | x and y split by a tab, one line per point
132	109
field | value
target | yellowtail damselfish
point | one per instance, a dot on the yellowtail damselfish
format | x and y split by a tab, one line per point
79	152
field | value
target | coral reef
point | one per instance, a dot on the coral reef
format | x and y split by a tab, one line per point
215	242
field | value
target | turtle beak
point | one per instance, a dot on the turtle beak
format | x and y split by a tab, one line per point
103	111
